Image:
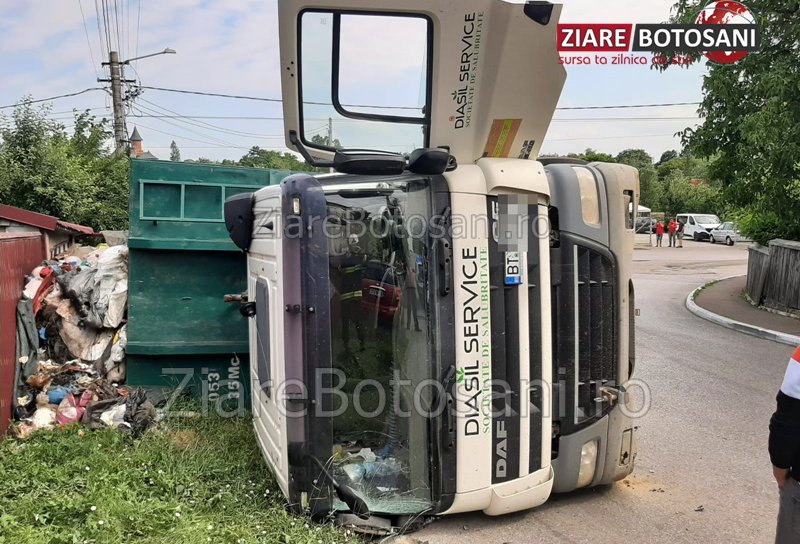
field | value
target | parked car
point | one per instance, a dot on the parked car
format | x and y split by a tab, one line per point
728	233
380	293
698	226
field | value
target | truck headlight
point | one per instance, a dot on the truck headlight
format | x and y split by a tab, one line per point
588	463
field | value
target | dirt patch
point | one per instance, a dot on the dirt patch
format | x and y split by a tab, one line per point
185	439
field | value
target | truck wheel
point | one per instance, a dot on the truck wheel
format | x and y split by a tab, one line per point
695	237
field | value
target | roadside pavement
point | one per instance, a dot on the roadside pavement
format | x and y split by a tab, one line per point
725	299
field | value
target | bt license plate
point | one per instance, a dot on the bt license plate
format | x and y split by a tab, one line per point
513	270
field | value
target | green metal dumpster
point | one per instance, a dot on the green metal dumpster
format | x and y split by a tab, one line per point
181	335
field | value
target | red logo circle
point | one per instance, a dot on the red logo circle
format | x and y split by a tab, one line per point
725	12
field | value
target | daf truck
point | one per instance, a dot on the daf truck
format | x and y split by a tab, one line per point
439	322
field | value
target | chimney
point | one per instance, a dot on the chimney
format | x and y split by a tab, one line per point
136	143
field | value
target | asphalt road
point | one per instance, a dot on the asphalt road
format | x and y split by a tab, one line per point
702	472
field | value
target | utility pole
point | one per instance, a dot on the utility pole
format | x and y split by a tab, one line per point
120	137
330	138
115	67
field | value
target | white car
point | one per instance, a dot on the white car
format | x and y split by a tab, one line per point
728	233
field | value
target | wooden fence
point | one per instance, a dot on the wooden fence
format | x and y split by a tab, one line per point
773	275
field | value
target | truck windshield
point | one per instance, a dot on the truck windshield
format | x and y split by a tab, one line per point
382	343
707	219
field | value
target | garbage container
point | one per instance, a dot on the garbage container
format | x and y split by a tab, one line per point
181	335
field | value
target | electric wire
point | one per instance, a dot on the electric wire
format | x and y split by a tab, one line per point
52	98
264	99
209	125
88	42
208	138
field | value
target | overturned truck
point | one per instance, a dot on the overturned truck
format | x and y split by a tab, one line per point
443	324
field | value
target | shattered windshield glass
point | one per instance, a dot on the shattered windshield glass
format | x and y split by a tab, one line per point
381	342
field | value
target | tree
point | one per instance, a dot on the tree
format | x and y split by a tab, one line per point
264	158
76	178
174	152
650	188
751	128
319	139
590	155
667	156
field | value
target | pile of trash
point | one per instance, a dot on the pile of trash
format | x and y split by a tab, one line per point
71	340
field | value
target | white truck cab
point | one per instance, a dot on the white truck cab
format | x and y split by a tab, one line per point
445	324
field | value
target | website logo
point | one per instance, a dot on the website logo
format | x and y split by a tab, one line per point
724	31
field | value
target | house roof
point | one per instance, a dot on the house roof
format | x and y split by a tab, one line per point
40	220
135	137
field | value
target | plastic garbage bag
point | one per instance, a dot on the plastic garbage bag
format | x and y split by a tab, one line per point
84	342
114	366
114	416
92	417
77	286
55	395
110	293
45	415
72	408
140	412
119	345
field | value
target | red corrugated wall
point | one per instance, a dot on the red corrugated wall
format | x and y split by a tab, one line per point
19	254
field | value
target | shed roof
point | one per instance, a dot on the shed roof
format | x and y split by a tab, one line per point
40	220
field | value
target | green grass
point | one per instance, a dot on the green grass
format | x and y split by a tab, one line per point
186	481
702	288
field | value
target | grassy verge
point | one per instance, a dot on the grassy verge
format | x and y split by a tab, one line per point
702	288
188	481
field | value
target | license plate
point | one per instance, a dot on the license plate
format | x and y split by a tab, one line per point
376	292
513	268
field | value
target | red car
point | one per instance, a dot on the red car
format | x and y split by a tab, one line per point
380	294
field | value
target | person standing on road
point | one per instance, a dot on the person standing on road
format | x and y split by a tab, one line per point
679	232
672	228
784	452
659	233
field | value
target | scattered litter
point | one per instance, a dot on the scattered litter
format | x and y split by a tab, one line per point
699	508
71	340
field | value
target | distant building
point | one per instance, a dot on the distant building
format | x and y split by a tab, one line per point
57	235
136	147
695	182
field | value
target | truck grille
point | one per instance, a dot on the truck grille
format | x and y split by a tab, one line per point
584	330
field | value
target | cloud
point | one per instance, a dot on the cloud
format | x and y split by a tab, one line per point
232	47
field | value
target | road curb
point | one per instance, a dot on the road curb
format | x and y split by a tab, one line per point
746	328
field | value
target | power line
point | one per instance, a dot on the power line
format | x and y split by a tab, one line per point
201	124
138	18
278	100
260	118
194	139
103	52
546	140
208	138
264	99
604	119
106	20
662	105
52	97
88	42
198	124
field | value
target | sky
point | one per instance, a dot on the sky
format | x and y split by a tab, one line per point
54	47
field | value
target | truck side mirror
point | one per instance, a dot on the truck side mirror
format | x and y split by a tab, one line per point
239	219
